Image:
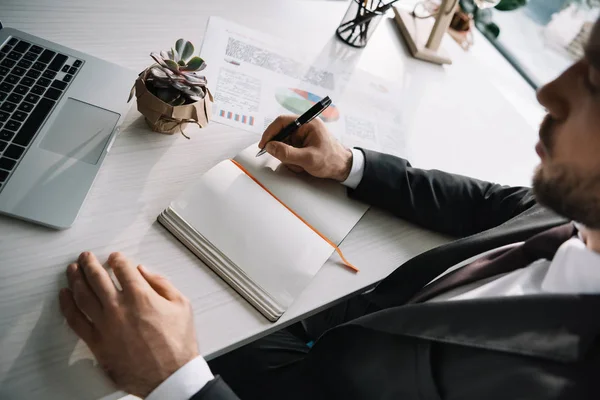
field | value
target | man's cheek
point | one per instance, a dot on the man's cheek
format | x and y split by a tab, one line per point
566	142
584	142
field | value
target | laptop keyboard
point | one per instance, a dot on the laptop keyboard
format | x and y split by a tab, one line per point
32	81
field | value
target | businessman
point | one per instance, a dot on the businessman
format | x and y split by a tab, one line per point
509	310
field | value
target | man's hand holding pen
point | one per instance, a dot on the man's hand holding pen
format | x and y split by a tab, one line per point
310	148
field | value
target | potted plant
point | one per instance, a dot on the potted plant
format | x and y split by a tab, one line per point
170	94
482	17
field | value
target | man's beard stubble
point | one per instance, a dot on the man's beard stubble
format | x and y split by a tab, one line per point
569	193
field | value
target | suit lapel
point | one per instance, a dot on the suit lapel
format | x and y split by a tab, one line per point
555	327
408	279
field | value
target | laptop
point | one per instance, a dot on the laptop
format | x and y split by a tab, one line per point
60	111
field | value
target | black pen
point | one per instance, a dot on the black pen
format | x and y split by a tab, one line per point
305	118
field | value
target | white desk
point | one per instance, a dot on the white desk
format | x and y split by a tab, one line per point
40	357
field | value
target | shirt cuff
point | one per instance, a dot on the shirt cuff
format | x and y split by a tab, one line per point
357	170
185	382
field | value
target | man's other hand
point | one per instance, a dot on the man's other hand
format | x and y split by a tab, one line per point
311	148
141	334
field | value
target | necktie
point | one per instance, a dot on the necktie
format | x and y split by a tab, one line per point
540	246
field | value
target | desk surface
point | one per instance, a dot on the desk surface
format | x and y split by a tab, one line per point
476	117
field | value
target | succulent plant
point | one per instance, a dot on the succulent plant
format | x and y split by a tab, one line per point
173	78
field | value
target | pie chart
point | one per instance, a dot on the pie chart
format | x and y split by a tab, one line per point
297	101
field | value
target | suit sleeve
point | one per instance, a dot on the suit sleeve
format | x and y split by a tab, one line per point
216	389
446	203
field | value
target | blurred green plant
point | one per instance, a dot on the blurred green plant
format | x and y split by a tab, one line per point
470	7
509	5
585	3
173	78
483	18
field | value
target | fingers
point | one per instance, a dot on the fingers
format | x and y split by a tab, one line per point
160	284
97	277
274	127
75	318
290	155
84	297
126	272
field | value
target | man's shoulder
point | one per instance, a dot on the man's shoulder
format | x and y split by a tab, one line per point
533	220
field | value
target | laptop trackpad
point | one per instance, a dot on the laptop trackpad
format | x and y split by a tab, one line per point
80	131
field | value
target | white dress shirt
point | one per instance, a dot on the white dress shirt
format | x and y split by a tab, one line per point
574	269
356	171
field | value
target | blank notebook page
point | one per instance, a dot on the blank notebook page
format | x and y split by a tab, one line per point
269	243
323	203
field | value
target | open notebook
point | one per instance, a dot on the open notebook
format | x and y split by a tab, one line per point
266	252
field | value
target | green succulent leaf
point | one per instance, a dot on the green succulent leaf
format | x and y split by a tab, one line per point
131	93
196	98
195	64
179	101
179	86
158	73
167	95
169	73
175	54
181	63
179	45
509	5
158	59
187	51
173	66
193	79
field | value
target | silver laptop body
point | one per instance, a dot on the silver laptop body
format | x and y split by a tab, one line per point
59	128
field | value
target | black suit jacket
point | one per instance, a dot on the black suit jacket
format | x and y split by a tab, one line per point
525	347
